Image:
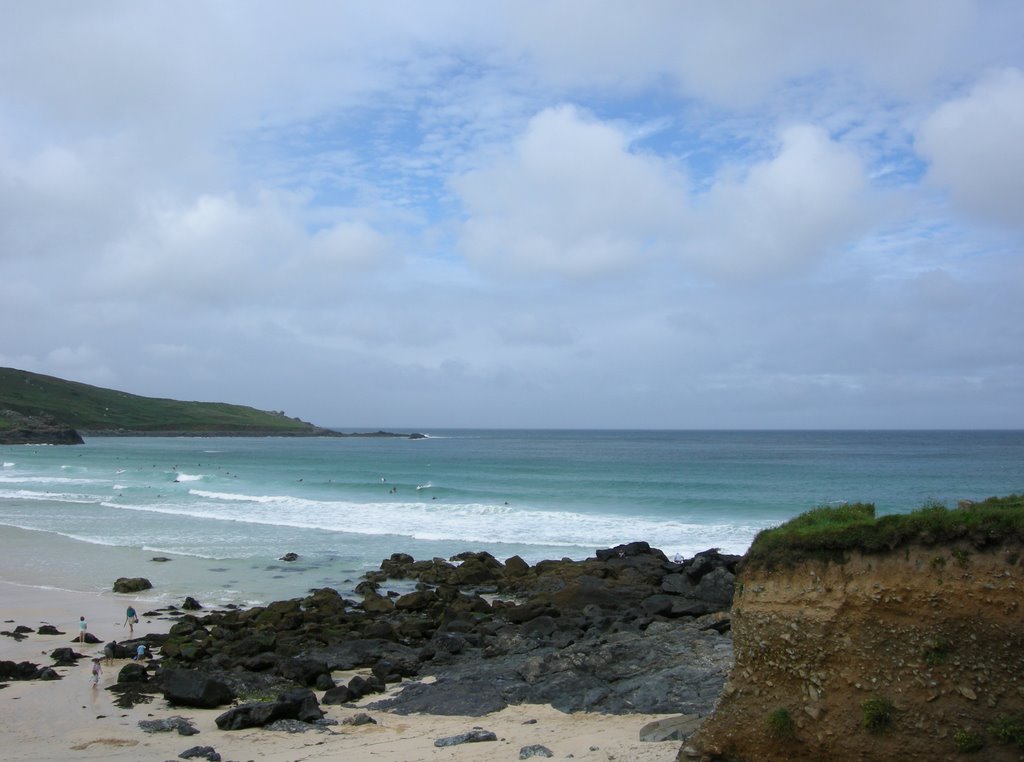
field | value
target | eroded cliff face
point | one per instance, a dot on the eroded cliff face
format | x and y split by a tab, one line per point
935	632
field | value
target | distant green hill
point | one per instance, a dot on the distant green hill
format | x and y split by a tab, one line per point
91	410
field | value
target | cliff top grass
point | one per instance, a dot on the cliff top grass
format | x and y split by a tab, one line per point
832	533
106	411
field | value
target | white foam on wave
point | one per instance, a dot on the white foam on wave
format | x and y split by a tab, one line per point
49	480
8	464
91	540
60	497
464	523
181	477
234	497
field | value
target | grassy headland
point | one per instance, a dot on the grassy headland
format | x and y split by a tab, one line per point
831	533
96	411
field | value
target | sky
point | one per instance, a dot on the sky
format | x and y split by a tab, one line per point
522	214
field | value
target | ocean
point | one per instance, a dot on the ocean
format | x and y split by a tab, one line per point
224	510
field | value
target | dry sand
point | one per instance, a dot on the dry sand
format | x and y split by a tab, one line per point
69	719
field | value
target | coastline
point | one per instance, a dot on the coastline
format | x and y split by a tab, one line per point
69	719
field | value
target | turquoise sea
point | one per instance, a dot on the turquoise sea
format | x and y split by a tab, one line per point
225	509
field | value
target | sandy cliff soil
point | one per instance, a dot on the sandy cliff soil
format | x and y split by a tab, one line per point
935	631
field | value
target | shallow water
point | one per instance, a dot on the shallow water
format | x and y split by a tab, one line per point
226	509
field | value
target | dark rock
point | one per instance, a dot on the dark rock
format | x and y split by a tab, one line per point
253	715
380	629
468	695
297	726
694	608
183	726
535	750
393	670
48	673
374	603
418	600
292	705
65	657
473	736
362	718
131	584
305	672
677	584
191	604
324	682
204	752
301	705
337	695
24	670
133	673
516	566
717	586
186	687
526	612
630	549
658	604
289	557
539	627
49	629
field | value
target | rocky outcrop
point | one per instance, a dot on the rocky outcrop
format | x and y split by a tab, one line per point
917	653
17	428
626	631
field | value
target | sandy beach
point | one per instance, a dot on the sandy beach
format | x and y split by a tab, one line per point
69	719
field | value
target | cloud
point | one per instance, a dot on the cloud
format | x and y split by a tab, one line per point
575	213
738	53
574	198
975	149
803	203
571	199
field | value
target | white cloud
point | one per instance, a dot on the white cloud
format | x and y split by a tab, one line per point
801	204
349	244
398	209
976	150
571	199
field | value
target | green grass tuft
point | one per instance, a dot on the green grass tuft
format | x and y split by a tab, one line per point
832	533
937	651
781	725
877	714
1009	729
968	742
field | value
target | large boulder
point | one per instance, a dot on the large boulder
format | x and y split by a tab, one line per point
133	672
187	687
303	671
292	705
65	657
131	584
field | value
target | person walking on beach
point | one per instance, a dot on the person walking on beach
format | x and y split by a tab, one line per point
109	650
97	670
82	627
131	619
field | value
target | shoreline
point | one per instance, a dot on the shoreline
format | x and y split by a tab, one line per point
69	719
